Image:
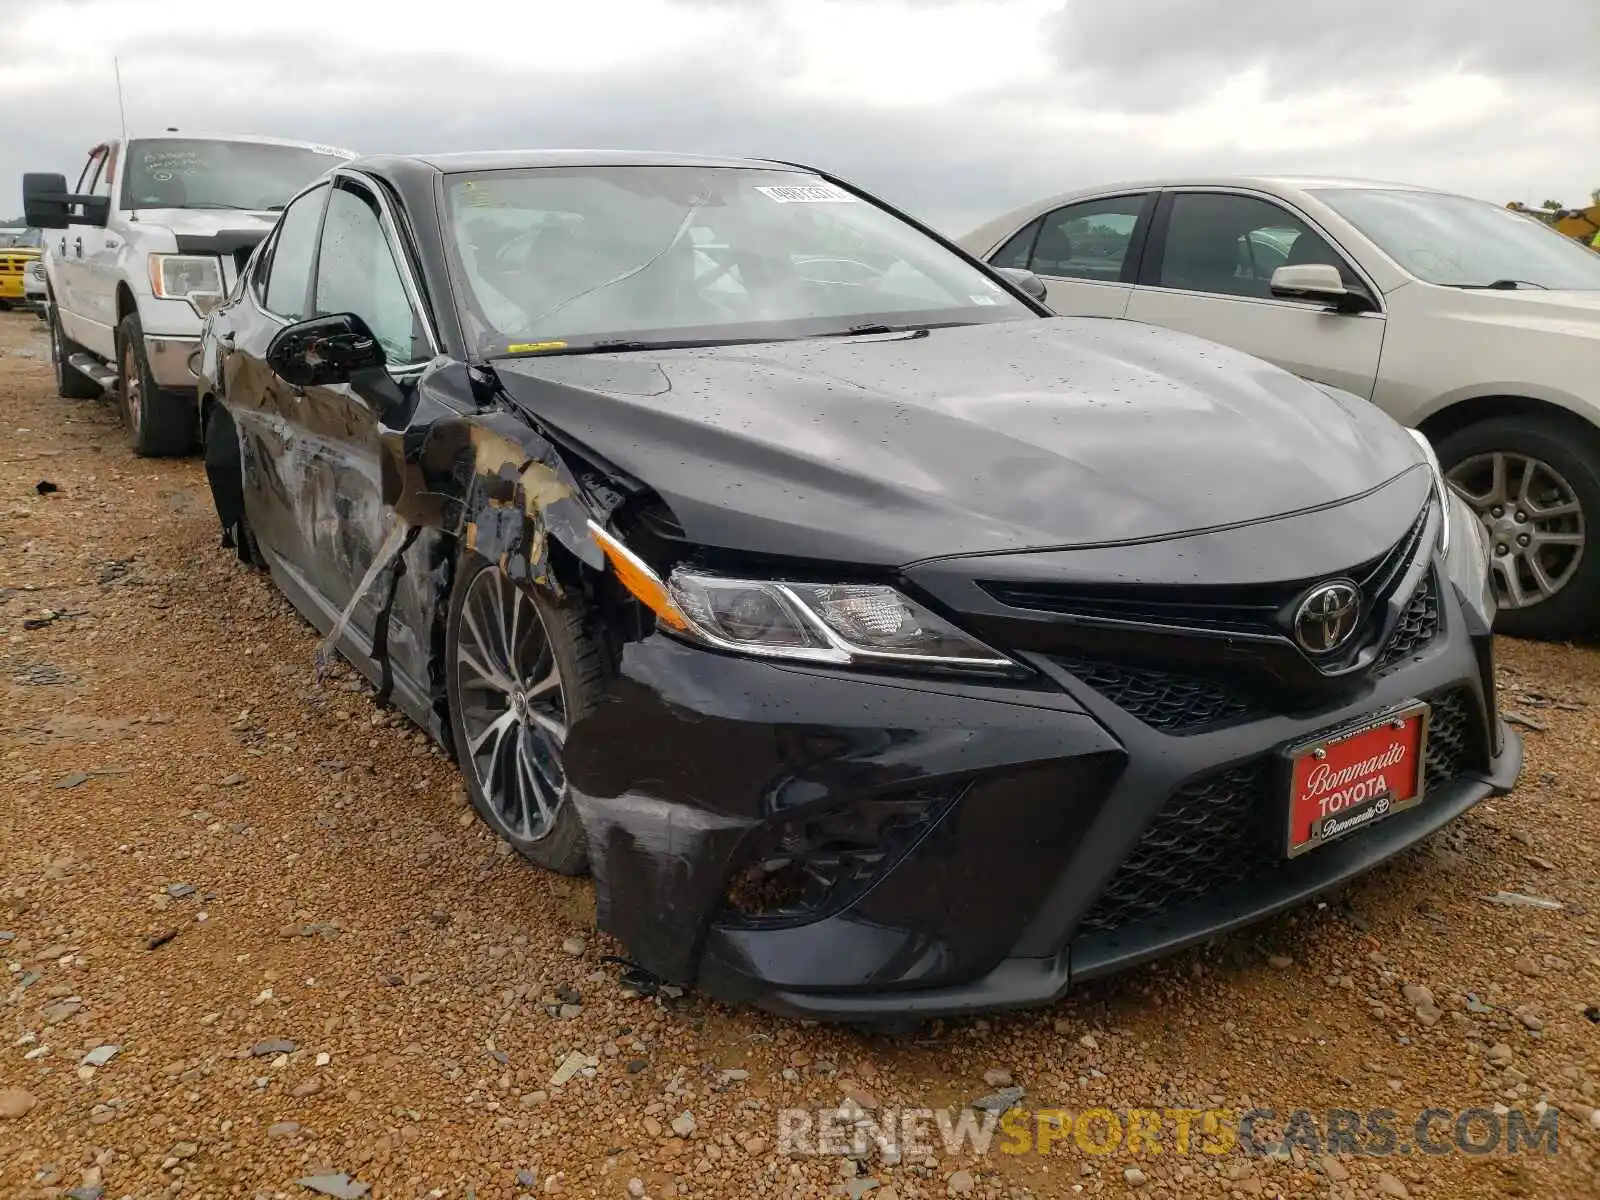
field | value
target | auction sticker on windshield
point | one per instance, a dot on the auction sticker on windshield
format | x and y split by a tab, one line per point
810	193
1344	781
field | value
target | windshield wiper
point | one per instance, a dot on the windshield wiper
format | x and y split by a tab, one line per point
877	327
1503	285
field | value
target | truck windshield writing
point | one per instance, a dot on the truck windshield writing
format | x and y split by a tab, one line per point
198	173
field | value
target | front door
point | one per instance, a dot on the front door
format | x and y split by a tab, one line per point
98	298
340	498
266	410
1208	269
75	289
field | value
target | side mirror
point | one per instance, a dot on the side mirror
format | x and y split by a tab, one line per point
1316	281
324	350
46	203
1026	280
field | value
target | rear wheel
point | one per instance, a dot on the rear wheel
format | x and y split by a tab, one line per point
159	423
71	383
1535	485
520	669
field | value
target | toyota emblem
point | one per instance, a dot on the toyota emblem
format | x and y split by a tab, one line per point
1328	616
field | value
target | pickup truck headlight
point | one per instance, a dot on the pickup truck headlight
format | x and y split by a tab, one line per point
196	278
845	624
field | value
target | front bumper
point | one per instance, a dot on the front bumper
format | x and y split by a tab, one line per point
987	844
169	361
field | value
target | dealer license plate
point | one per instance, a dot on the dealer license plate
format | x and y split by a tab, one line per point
1346	780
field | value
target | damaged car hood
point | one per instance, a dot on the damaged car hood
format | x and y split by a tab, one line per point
891	448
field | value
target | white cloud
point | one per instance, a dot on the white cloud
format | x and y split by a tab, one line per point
954	108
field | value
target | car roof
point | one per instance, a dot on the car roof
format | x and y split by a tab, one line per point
509	160
258	139
1291	183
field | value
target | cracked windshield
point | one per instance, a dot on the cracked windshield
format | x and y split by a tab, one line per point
572	258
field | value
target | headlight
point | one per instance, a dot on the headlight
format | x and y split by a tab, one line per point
1467	559
840	623
1441	489
196	278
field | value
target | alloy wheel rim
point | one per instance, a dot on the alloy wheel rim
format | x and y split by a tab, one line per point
132	387
1534	520
513	705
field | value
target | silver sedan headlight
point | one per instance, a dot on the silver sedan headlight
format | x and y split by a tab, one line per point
1467	557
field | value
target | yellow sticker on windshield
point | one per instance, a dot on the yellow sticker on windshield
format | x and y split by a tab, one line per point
534	347
478	194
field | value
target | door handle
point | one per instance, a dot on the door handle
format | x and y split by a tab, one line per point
226	340
112	243
62	244
78	245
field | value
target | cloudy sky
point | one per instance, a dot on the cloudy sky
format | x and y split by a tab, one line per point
952	108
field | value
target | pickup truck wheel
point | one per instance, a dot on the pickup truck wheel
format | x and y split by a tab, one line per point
1535	485
71	383
159	423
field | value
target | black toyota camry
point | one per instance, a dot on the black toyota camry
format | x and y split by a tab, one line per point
884	646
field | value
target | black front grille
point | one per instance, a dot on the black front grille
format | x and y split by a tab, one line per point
1176	704
1215	831
1418	625
1206	835
1257	609
1454	745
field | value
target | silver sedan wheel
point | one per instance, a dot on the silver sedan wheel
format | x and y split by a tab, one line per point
513	705
1535	523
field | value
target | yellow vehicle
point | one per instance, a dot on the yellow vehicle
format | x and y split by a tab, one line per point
1580	223
18	248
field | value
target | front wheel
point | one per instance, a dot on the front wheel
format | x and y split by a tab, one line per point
159	423
520	669
1535	485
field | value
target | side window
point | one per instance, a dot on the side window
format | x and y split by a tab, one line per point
289	269
1230	245
1088	240
357	273
107	173
86	176
1016	252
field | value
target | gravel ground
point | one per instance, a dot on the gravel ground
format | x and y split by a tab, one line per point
269	896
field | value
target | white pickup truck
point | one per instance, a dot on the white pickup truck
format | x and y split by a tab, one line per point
150	239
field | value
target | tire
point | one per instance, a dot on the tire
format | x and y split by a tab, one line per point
225	475
71	383
562	628
1574	457
159	423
